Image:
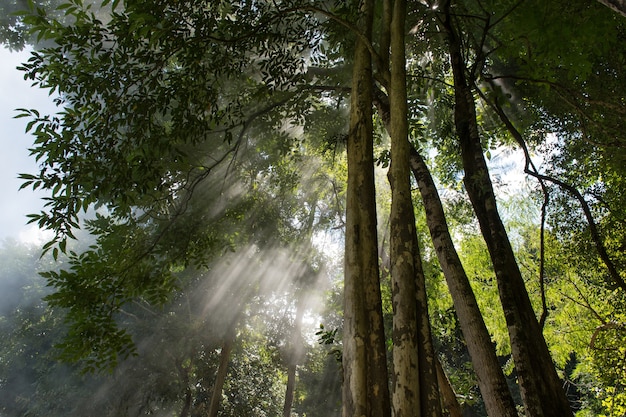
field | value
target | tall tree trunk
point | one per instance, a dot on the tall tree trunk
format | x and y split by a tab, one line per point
415	385
222	370
429	385
491	380
365	390
294	356
404	251
539	383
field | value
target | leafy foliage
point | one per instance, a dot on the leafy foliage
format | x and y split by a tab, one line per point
195	133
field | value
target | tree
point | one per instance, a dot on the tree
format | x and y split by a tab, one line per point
571	111
180	127
29	328
13	30
365	389
415	384
539	383
493	386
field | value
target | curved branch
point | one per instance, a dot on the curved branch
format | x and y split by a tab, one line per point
604	326
593	229
544	206
570	97
618	6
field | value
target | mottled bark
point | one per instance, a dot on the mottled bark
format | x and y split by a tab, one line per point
365	390
415	386
404	252
540	386
491	380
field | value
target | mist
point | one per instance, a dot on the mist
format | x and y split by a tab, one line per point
251	291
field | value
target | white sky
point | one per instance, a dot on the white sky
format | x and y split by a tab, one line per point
15	93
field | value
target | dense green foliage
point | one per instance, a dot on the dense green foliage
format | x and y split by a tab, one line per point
198	157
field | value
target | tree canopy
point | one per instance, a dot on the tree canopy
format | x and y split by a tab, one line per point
207	158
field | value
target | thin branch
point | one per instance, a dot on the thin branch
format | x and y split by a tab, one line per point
322	88
425	77
542	256
593	229
569	97
508	12
605	326
145	308
248	122
546	199
383	68
480	49
584	303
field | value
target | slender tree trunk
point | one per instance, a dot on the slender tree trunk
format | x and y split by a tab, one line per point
294	356
491	380
539	383
222	370
429	386
415	385
404	251
365	390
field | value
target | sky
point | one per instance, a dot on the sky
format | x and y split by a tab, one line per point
15	93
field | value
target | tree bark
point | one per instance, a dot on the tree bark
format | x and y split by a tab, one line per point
365	389
415	385
414	388
294	356
222	370
540	386
491	380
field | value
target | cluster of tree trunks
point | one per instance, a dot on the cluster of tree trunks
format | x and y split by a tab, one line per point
415	389
419	386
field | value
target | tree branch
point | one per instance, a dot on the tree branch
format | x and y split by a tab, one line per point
618	6
570	97
383	68
530	169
